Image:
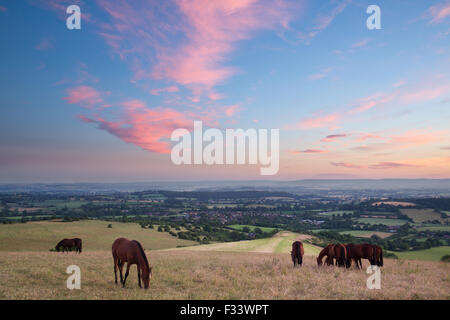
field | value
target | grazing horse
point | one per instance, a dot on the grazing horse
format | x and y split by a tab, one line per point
327	251
340	254
69	244
297	253
360	251
124	250
378	258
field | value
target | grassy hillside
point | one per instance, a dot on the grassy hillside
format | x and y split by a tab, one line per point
41	236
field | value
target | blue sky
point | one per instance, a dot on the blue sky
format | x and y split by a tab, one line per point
98	104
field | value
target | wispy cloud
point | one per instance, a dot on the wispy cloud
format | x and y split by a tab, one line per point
346	165
439	12
45	44
322	74
392	165
378	166
308	151
333	137
360	44
322	21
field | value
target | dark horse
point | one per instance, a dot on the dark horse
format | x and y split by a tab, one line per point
124	250
356	252
69	244
327	251
297	253
340	254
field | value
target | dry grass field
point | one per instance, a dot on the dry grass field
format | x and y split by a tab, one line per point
184	274
257	269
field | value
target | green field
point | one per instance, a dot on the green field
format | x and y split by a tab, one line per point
432	254
366	234
239	227
388	222
41	236
422	215
279	243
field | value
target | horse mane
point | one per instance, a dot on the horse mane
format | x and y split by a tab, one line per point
143	254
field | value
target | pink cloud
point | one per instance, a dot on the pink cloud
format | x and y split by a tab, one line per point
211	30
367	136
83	95
147	128
439	12
230	111
3	9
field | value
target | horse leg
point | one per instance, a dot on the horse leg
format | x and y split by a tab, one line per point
139	276
126	274
120	264
115	269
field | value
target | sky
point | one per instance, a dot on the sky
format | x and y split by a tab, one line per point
99	104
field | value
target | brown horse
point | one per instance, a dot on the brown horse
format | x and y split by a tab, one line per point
360	251
327	251
124	250
69	244
378	259
340	254
297	253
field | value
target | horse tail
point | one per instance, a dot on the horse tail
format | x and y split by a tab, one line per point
81	245
381	257
299	253
374	254
343	255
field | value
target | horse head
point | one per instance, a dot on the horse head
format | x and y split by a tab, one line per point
319	261
146	276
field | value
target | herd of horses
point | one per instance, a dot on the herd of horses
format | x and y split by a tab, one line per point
342	255
131	252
